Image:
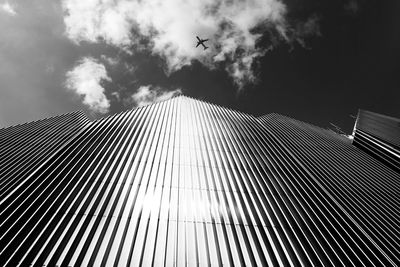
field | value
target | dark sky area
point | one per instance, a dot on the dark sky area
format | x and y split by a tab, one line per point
348	59
355	63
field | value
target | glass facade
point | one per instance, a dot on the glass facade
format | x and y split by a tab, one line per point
184	182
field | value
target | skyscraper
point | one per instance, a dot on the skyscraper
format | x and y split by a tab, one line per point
184	182
379	136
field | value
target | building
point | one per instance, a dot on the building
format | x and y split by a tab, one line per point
379	136
185	182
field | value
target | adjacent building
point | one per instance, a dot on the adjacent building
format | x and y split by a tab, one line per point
185	182
379	136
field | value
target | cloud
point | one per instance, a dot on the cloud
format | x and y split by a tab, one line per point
6	7
110	60
170	26
85	79
116	95
352	6
306	29
92	20
149	94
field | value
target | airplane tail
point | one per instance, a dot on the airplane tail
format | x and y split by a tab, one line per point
205	47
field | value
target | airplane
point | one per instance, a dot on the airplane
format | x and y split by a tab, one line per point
201	42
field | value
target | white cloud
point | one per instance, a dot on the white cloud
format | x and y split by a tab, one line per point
91	20
110	60
85	80
116	95
6	7
306	29
171	27
148	94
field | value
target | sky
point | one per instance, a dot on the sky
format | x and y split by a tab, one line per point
318	61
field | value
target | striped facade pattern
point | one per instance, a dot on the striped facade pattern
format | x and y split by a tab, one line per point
184	182
364	190
378	135
25	147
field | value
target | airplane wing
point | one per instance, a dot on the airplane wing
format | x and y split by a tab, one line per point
198	43
204	40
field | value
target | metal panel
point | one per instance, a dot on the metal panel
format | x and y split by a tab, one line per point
379	136
184	182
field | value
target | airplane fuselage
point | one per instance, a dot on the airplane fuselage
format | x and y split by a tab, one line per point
201	42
